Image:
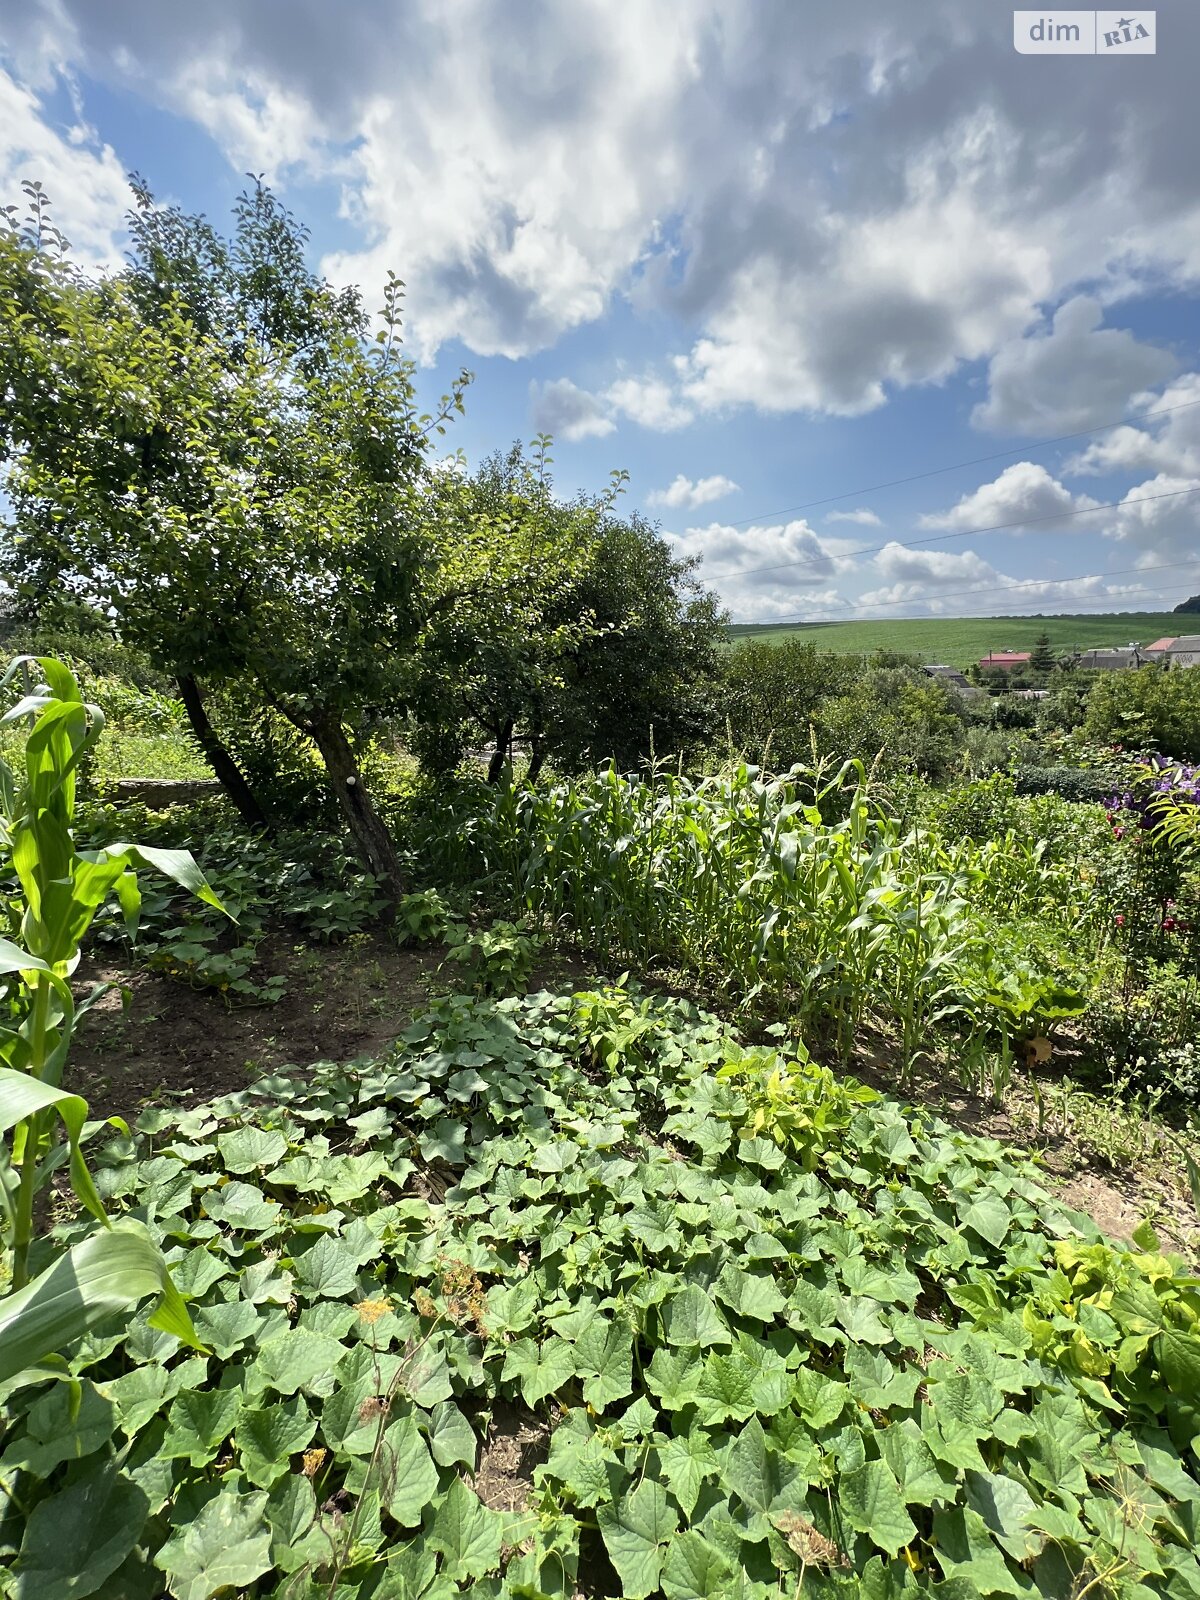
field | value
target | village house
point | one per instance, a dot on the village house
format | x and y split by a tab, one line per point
1007	660
952	678
1184	651
1119	659
1158	650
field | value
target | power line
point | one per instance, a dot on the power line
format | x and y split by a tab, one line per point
1007	588
966	533
957	466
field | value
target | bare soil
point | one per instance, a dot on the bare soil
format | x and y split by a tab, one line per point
517	1442
161	1042
152	1040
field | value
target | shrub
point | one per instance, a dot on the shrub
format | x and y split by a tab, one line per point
1072	783
1151	709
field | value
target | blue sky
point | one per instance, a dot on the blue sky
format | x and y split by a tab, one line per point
760	256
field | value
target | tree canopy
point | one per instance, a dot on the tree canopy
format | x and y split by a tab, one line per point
209	447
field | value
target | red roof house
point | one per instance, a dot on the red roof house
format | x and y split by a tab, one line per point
1158	648
1005	658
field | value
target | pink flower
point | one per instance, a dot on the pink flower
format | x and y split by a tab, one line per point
1120	920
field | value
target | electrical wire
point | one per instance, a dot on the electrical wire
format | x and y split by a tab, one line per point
975	461
964	533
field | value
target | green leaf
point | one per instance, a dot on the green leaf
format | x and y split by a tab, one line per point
907	1453
1007	1509
1179	1358
228	1545
178	865
242	1206
328	1270
466	1532
762	1478
227	1326
634	1531
446	1141
695	1569
726	1389
690	1318
138	1395
541	1369
268	1435
749	1294
604	1360
22	1097
870	1502
451	1437
966	1550
989	1217
74	1539
14	959
686	1463
198	1422
877	1383
108	1272
674	1376
296	1537
426	1376
297	1359
409	1478
244	1149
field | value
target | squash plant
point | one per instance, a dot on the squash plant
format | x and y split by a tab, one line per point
59	891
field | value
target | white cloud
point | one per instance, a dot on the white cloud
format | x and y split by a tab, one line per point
688	494
825	213
766	571
1161	519
568	412
962	583
864	517
81	175
1023	492
892	299
1075	376
649	402
1169	443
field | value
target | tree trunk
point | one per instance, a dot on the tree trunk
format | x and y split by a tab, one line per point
368	830
501	753
233	780
537	757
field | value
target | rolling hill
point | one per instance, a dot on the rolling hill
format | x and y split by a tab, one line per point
960	640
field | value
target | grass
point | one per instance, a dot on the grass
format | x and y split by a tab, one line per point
958	641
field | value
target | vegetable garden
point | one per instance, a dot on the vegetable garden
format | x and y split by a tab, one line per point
702	1216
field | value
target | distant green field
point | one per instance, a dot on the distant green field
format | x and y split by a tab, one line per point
958	641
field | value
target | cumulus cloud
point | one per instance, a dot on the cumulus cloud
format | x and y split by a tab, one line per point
767	571
82	176
683	492
1077	375
826	213
1024	492
865	517
1168	442
568	412
946	583
650	402
1160	518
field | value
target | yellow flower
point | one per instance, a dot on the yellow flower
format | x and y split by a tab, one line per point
371	1311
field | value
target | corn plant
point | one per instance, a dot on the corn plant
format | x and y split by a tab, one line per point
59	890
